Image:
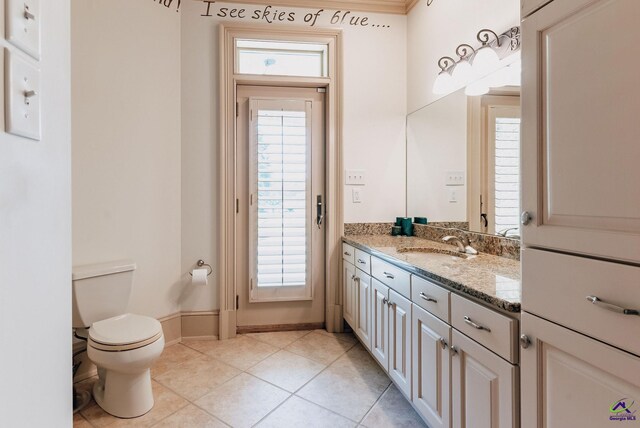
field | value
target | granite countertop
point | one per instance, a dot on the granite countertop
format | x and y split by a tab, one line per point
492	279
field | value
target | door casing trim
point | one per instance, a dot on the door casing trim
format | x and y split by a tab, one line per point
228	81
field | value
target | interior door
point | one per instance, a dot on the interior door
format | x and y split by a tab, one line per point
571	380
280	155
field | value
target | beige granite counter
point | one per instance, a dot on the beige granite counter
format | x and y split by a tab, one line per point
492	279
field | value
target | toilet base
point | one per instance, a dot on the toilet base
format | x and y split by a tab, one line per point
124	395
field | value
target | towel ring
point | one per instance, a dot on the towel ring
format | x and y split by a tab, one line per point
201	263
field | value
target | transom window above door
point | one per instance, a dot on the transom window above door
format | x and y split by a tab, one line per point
281	58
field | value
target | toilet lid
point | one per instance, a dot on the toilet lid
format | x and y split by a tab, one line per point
124	329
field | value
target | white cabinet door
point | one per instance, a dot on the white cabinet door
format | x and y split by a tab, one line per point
484	387
580	129
363	294
349	290
571	380
431	365
380	323
400	342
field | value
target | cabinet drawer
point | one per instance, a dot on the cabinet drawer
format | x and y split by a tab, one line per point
556	287
348	253
363	261
491	329
392	276
431	297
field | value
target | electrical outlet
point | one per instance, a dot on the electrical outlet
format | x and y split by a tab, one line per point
454	178
357	196
354	177
22	92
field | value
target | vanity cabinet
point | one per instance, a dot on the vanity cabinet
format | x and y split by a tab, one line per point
580	128
400	342
453	358
484	387
431	360
571	380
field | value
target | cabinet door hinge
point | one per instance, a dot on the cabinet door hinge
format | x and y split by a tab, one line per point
237	109
237	302
237	206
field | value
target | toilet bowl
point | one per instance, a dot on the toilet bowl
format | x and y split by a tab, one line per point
124	348
122	345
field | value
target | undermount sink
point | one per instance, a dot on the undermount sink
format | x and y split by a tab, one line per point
433	251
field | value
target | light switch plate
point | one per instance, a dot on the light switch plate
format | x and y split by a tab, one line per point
23	25
22	92
354	177
454	178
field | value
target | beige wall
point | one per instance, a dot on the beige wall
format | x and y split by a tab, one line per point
126	144
145	135
35	244
435	31
374	127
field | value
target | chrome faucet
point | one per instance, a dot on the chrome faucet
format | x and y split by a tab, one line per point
455	240
504	232
463	243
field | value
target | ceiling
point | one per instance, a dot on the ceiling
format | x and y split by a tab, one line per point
400	7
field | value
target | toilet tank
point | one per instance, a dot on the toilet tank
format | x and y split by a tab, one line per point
101	291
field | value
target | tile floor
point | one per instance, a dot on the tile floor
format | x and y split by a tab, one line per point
284	379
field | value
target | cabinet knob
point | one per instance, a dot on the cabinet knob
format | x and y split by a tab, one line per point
385	301
525	218
454	351
443	343
525	342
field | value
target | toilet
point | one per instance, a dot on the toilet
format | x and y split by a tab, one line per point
123	346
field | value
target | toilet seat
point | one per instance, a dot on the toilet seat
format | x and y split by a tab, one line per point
124	332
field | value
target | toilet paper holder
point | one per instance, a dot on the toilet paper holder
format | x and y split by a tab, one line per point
201	263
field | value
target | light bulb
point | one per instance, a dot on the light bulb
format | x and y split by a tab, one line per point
462	74
485	61
443	83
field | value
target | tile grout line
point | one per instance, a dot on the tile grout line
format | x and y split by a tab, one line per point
374	404
291	394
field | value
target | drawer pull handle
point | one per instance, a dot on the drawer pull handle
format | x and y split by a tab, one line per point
389	275
428	298
443	343
476	326
362	262
348	254
608	306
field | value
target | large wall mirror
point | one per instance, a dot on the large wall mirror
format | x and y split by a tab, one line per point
463	158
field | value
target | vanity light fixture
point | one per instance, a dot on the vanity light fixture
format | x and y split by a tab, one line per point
463	71
473	64
444	81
